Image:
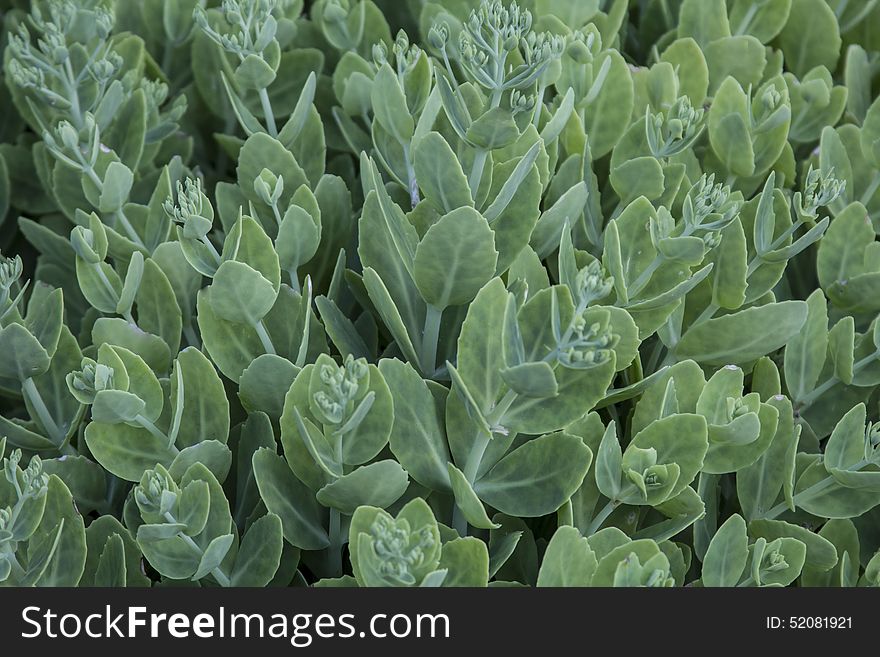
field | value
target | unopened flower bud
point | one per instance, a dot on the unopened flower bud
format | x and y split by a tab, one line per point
10	272
401	44
438	35
380	54
82	240
334	12
578	51
68	136
712	239
104	21
269	187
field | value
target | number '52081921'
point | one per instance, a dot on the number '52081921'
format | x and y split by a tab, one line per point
809	623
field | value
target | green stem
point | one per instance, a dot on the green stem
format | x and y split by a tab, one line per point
870	190
539	105
747	20
706	315
156	431
809	493
478	450
335	542
825	386
654	360
90	172
430	338
612	411
277	213
105	281
602	516
471	468
267	111
477	171
17	570
501	408
645	277
412	184
756	262
263	334
33	395
191	336
481	154
805	494
475	457
294	280
129	229
221	577
76	112
213	250
113	491
668	19
167	55
635	372
118	214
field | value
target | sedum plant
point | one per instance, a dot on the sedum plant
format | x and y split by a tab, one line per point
445	293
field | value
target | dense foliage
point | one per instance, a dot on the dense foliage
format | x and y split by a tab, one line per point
569	293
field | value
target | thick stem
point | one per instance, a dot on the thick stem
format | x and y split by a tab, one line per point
267	111
167	56
481	154
93	176
477	171
156	431
263	334
668	16
805	494
277	213
29	389
17	570
129	229
335	542
809	493
471	468
645	277
602	516
118	214
430	338
539	105
113	493
191	336
747	20
825	386
475	457
221	577
412	184
478	451
212	249
757	261
459	522
294	280
654	360
706	315
75	111
105	281
870	190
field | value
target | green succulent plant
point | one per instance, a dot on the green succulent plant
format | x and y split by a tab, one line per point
443	293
